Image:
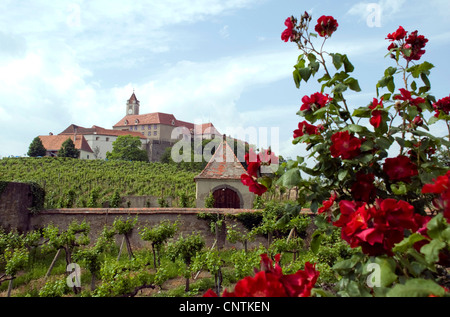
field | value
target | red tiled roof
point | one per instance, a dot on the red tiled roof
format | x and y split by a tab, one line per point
54	142
166	119
223	165
74	129
154	118
206	128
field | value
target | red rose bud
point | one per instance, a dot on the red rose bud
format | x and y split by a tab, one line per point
418	121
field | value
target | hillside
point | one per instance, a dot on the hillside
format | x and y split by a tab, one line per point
89	183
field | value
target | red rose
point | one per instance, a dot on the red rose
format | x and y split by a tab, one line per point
352	220
271	282
411	46
287	34
441	187
364	189
305	128
376	118
417	43
301	283
345	145
400	168
406	96
398	35
253	185
377	229
442	105
327	204
326	26
315	101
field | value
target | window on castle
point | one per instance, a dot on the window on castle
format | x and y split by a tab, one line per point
149	133
155	126
135	128
155	132
142	127
107	139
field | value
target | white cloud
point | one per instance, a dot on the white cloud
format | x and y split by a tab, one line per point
384	10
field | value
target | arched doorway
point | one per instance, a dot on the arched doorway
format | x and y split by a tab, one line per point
226	198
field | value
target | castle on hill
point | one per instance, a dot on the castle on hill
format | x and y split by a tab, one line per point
155	130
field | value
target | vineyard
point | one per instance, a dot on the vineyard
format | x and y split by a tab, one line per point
74	183
51	262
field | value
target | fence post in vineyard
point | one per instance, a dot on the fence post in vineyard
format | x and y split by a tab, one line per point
52	264
10	285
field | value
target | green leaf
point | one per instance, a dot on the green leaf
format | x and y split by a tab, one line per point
340	88
387	268
391	85
432	250
390	71
356	128
342	174
347	65
433	120
291	178
425	80
436	226
408	242
423	68
416	288
315	241
305	73
399	189
297	78
353	84
367	158
362	112
337	60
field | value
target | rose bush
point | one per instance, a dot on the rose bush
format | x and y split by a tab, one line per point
379	181
271	282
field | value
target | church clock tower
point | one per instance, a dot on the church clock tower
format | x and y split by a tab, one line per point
133	105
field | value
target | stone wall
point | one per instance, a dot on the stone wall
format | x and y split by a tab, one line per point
16	200
98	218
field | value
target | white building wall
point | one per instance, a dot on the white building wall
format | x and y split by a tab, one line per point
104	144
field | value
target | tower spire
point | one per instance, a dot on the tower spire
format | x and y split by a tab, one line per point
133	105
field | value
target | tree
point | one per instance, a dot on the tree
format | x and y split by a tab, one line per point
129	148
68	149
36	148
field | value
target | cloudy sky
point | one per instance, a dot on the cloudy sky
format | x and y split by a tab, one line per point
220	61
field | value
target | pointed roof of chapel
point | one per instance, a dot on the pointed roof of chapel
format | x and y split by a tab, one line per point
133	98
223	165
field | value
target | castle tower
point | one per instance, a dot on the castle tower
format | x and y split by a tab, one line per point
133	105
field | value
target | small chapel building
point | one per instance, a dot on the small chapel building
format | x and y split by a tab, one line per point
222	178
